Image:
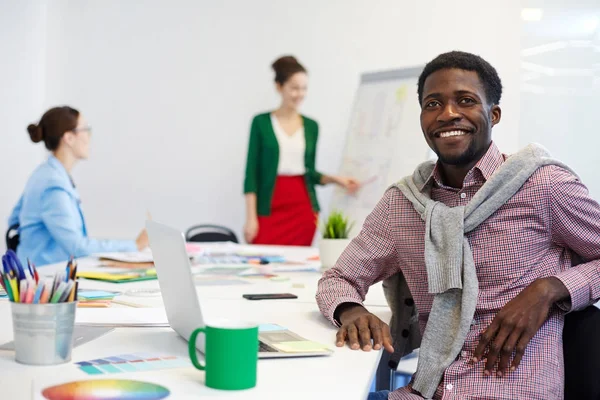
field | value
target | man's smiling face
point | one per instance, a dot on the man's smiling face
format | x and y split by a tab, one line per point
456	117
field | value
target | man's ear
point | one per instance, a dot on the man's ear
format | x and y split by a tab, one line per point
496	114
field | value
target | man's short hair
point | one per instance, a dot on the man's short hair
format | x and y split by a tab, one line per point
469	62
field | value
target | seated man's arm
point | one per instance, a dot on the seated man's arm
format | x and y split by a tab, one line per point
370	257
576	226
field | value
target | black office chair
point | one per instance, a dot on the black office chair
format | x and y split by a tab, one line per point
210	233
12	237
581	348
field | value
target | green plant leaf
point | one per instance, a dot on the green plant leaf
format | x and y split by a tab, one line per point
337	226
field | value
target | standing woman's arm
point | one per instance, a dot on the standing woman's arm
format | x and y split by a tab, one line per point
350	184
251	183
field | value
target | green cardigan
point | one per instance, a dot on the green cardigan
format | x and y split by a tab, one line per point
263	161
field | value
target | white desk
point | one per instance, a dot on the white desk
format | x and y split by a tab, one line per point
306	294
346	374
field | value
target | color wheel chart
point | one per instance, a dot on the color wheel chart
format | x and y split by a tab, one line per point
106	389
132	363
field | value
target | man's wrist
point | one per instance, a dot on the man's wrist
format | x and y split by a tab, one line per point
345	311
555	290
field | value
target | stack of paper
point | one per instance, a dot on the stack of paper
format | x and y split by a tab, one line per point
119	277
95	298
133	257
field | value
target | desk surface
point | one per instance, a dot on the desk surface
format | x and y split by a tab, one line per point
328	376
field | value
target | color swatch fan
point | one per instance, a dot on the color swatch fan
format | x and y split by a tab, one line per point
108	389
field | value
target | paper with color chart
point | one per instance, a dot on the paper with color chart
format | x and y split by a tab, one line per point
122	316
134	362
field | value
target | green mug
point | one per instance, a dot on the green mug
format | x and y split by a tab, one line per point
231	355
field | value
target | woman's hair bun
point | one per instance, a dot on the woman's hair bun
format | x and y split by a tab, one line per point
35	133
285	67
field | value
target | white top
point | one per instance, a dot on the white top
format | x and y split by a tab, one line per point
291	150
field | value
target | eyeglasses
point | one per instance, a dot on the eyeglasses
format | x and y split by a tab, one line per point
86	128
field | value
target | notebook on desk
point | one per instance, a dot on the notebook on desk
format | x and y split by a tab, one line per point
183	308
118	277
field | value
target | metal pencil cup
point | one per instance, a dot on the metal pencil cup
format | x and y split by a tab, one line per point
43	333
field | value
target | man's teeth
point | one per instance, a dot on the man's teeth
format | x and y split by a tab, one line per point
452	133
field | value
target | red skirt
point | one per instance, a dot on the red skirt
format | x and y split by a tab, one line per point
293	221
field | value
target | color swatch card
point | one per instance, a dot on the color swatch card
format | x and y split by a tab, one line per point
137	362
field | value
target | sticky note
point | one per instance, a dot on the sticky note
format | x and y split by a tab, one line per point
302	346
95	294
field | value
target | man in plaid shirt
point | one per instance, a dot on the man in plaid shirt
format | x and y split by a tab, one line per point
523	252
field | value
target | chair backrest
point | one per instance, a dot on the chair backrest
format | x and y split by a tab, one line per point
12	237
581	348
210	233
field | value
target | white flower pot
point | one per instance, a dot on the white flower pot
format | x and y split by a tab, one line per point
330	250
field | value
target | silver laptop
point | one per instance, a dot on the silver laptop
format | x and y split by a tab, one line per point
181	300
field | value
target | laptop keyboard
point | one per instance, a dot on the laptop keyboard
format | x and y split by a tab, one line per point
265	348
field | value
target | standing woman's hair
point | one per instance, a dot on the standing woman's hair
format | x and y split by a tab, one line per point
285	67
53	125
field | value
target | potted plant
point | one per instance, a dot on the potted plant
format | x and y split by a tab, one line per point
335	232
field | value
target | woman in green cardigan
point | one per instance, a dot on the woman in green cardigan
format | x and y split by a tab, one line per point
281	203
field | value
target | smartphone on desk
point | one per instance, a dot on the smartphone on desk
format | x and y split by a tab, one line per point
269	296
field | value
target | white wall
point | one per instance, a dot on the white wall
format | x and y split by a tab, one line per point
170	87
22	46
561	85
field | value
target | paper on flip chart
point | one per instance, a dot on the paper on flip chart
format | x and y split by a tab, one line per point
122	317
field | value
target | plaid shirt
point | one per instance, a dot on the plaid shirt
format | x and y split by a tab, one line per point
532	236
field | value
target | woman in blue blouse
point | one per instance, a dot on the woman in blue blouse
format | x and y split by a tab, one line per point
49	215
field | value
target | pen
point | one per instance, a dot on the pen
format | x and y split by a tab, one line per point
58	293
8	271
46	292
65	294
74	272
15	289
32	271
68	269
9	290
38	293
72	294
31	289
23	290
57	281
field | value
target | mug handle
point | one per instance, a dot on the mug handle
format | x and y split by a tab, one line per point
192	348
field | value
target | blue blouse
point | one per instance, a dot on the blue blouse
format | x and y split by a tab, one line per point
51	222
